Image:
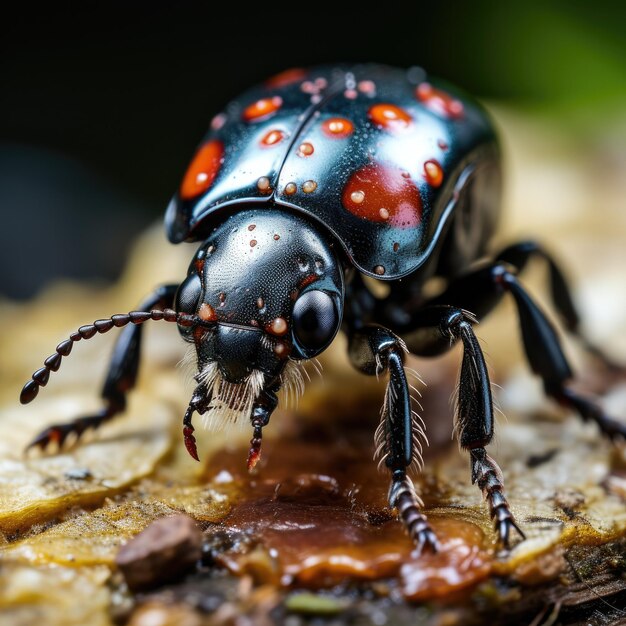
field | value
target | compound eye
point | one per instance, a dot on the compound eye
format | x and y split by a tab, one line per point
315	320
186	301
188	294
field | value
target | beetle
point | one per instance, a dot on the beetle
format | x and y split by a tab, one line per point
302	188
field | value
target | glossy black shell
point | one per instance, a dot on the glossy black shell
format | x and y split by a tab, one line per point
382	157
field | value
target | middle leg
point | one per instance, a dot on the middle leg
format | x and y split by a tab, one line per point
436	328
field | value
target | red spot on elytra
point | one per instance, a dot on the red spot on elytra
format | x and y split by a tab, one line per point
389	116
272	137
433	173
308	86
375	187
262	109
367	86
218	121
287	77
338	127
306	149
202	170
439	101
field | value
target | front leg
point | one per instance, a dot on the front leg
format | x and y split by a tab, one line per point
199	403
262	409
121	376
373	349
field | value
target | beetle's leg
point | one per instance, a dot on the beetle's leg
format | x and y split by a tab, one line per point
485	286
474	409
262	409
546	357
120	379
199	403
518	255
373	349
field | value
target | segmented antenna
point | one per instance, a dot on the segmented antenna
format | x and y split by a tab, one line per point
53	362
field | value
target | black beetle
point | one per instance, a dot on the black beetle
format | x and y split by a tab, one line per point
304	185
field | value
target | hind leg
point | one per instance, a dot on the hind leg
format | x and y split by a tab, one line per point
518	255
482	288
121	378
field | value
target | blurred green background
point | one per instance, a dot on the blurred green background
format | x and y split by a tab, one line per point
101	105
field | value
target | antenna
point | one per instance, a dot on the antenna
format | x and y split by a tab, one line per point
53	362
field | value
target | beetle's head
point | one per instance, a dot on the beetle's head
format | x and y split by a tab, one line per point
269	288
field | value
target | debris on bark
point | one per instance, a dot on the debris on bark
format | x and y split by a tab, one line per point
161	553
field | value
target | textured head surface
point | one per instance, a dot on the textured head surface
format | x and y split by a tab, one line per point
247	278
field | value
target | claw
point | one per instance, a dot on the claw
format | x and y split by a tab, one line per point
503	528
53	434
402	497
426	540
43	439
58	433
